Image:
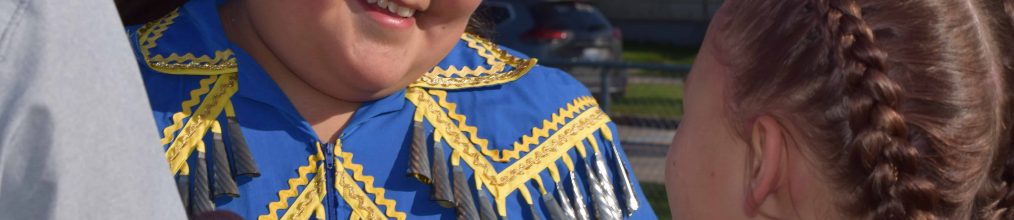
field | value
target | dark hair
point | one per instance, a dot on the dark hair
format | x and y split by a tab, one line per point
905	103
1003	170
479	25
133	12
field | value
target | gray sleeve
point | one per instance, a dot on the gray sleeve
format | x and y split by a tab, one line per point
77	137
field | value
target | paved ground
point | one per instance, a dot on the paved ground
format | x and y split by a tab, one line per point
646	149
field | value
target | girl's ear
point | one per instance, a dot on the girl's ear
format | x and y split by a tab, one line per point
768	144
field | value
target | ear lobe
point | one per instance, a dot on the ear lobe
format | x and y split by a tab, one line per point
767	141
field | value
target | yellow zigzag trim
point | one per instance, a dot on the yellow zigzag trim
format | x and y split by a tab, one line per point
357	174
468	71
195	129
485	47
502	184
472	130
220	56
310	199
481	47
445	128
188	64
470	77
558	119
294	184
152	31
195	98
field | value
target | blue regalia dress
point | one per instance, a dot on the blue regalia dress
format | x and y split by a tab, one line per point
486	134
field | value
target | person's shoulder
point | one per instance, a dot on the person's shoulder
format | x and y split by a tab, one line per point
481	69
506	96
184	52
186	41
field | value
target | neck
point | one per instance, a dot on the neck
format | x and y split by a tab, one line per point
326	114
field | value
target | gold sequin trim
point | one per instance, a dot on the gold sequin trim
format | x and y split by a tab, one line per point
511	179
294	184
556	120
187	109
195	128
223	62
472	77
354	196
310	200
378	192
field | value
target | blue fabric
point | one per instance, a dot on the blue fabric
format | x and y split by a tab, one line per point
379	133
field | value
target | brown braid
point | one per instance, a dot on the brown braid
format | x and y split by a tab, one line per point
880	142
910	135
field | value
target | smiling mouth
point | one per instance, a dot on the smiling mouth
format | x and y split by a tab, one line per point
393	7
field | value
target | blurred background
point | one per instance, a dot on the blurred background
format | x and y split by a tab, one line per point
638	50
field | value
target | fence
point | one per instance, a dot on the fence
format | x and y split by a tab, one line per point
646	105
644	99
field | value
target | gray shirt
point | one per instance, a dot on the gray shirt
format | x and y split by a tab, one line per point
77	140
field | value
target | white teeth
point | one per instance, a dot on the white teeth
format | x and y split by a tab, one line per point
393	7
405	12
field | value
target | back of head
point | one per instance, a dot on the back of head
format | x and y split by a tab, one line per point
906	103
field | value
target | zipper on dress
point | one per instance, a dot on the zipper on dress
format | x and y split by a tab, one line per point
331	198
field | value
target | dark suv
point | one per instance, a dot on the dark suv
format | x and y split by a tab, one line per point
558	31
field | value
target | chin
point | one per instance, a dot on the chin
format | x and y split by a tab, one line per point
371	80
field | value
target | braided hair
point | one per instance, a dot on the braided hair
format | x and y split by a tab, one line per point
895	185
902	101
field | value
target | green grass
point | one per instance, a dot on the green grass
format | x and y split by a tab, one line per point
651	100
658	53
654	99
657	198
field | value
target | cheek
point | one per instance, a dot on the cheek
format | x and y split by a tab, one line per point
464	7
689	177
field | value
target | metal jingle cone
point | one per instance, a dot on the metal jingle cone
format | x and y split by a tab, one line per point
419	164
463	196
242	159
223	185
485	207
580	209
568	210
605	204
628	189
201	198
442	193
553	207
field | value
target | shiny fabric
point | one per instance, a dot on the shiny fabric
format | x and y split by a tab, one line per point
379	135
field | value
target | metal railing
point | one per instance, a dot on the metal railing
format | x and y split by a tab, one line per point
608	68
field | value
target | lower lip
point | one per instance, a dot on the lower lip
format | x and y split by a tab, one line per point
385	17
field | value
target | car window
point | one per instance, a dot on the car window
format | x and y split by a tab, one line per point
494	13
570	15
